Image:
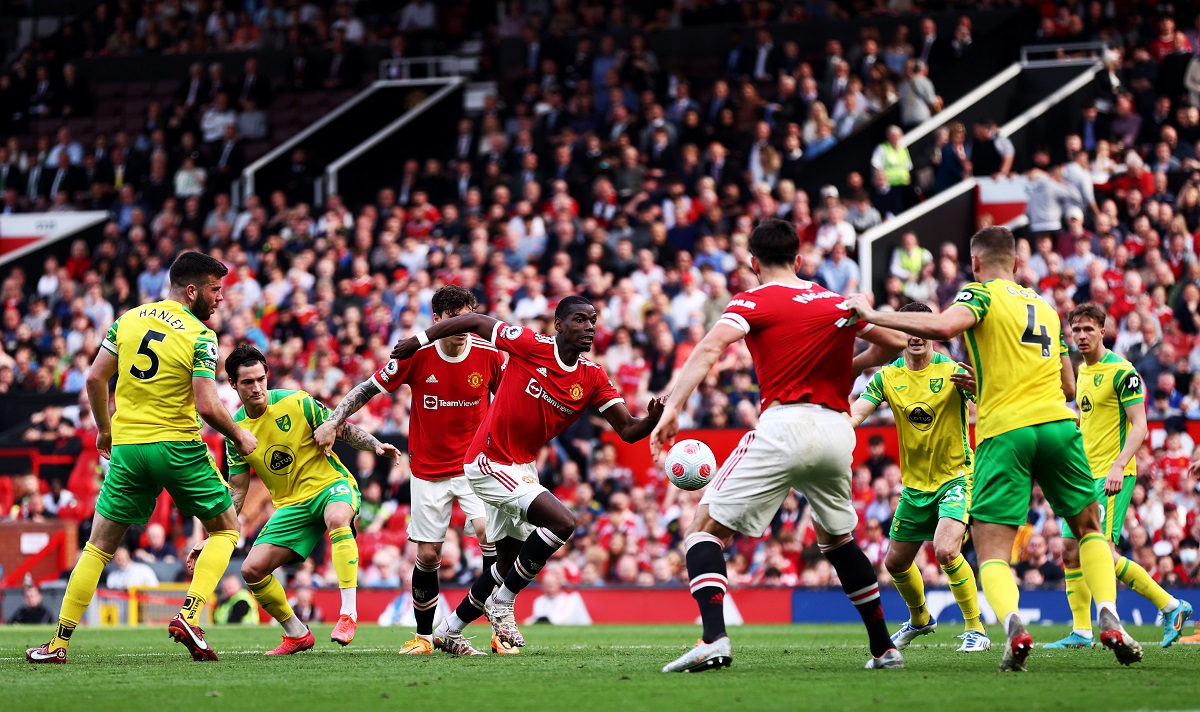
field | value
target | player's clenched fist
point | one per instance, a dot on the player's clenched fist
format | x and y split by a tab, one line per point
325	434
405	348
246	443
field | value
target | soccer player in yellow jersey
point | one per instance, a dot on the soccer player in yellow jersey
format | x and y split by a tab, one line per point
928	394
165	361
1112	418
1025	431
312	493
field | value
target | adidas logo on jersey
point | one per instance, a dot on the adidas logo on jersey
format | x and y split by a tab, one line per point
542	370
431	379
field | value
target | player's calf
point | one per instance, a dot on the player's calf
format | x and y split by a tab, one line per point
858	581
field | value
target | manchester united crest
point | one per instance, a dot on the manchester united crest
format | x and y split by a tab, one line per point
575	391
475	380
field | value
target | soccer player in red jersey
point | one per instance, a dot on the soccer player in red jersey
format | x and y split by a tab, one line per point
547	386
803	351
450	380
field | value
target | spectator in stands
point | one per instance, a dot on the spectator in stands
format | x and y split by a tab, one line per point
304	606
215	118
918	99
1049	198
840	273
158	547
909	258
1036	558
32	611
127	573
235	603
555	605
955	163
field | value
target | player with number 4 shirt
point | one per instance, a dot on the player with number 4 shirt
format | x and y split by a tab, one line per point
1025	431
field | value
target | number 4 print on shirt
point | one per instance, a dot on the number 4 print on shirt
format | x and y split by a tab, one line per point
1036	334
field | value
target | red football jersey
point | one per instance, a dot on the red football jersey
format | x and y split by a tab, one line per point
449	400
800	353
538	398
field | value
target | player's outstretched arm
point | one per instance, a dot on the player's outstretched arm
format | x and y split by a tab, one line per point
885	344
632	429
859	410
940	327
328	431
360	439
706	353
99	375
481	325
210	408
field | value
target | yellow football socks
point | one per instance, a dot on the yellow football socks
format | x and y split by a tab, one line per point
345	556
1079	598
1095	558
966	592
1136	578
210	567
270	595
912	590
80	589
1002	593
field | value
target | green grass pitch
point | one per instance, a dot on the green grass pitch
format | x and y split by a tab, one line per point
802	667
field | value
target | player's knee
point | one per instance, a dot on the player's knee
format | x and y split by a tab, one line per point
894	564
946	553
429	556
252	571
564	524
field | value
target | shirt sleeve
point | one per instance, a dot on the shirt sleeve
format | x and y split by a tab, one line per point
205	356
392	375
315	411
498	364
975	297
1128	384
237	463
606	394
874	390
514	339
110	339
742	313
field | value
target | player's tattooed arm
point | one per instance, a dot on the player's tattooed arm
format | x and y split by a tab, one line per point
238	486
360	439
354	401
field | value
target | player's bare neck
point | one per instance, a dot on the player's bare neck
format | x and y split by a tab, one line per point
254	412
451	349
1096	356
918	362
987	273
566	351
781	275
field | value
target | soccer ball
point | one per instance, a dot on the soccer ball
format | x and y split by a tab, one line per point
690	465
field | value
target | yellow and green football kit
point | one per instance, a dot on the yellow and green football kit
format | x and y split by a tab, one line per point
301	478
160	348
1103	391
935	452
1024	431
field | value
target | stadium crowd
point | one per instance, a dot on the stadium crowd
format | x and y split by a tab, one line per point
607	174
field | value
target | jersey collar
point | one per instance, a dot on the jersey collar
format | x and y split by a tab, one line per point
456	359
558	358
